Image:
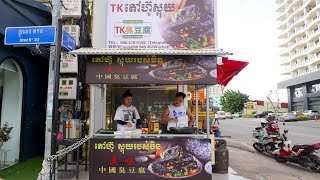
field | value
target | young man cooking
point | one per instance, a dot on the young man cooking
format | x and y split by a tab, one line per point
176	114
126	115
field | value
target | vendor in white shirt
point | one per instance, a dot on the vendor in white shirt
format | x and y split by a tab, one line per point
177	114
126	115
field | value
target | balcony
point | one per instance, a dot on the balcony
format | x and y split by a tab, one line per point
283	34
287	70
285	61
287	25
304	73
284	52
280	1
284	42
313	59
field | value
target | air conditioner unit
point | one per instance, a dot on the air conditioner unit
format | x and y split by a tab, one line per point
68	63
68	88
72	8
74	31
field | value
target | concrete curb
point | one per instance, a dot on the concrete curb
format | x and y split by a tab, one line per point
239	145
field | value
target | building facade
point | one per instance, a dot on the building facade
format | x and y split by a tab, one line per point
299	35
216	93
23	82
259	106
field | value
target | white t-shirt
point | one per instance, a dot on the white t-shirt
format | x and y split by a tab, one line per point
180	113
126	114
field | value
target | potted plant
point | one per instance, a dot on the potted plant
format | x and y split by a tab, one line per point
5	131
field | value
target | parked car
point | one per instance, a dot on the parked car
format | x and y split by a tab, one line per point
229	115
287	117
237	114
221	115
296	113
262	114
311	113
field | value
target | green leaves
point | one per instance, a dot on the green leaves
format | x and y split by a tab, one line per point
5	130
233	101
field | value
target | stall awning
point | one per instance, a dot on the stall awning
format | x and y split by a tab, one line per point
228	70
107	51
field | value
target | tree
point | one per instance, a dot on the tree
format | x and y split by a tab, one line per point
233	101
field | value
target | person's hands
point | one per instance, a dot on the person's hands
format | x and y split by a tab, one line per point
129	124
174	119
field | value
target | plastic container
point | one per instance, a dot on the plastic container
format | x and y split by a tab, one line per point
217	134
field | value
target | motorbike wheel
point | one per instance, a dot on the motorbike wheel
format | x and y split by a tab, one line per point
256	148
316	169
279	158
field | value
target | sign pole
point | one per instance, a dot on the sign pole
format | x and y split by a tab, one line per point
53	84
207	112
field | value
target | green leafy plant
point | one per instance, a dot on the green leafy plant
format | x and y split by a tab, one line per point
254	112
5	131
233	101
302	117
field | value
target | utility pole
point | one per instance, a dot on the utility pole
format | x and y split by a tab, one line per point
53	82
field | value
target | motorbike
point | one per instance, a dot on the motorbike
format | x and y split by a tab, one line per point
306	155
265	138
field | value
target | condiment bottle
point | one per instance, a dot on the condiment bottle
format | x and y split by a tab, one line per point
144	126
156	126
151	127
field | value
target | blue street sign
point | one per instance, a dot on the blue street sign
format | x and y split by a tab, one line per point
30	35
68	41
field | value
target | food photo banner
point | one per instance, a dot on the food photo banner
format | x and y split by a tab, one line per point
165	24
145	159
151	70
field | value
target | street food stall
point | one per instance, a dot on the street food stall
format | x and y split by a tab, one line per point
151	45
132	154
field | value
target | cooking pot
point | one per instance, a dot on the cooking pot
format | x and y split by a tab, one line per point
183	130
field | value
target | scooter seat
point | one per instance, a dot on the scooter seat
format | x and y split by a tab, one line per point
301	146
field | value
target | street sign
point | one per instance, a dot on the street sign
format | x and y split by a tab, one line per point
68	41
30	35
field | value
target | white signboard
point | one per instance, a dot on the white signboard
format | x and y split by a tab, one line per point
165	24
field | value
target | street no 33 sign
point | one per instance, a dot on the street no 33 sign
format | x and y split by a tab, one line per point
30	35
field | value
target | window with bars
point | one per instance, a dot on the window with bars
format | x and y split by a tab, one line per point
298	92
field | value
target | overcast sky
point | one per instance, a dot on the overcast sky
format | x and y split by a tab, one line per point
248	29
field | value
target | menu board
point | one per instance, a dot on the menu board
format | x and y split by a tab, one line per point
165	24
145	159
151	70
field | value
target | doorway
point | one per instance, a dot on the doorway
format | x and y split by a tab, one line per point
11	95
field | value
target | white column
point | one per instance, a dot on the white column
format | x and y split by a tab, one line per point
97	108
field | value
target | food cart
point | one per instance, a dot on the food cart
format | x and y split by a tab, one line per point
151	44
143	156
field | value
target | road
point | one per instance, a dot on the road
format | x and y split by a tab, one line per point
302	132
262	166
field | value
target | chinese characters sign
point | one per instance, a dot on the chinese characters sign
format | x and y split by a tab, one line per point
151	70
166	24
139	159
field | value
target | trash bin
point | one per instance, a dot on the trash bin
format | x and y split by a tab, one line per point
221	157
